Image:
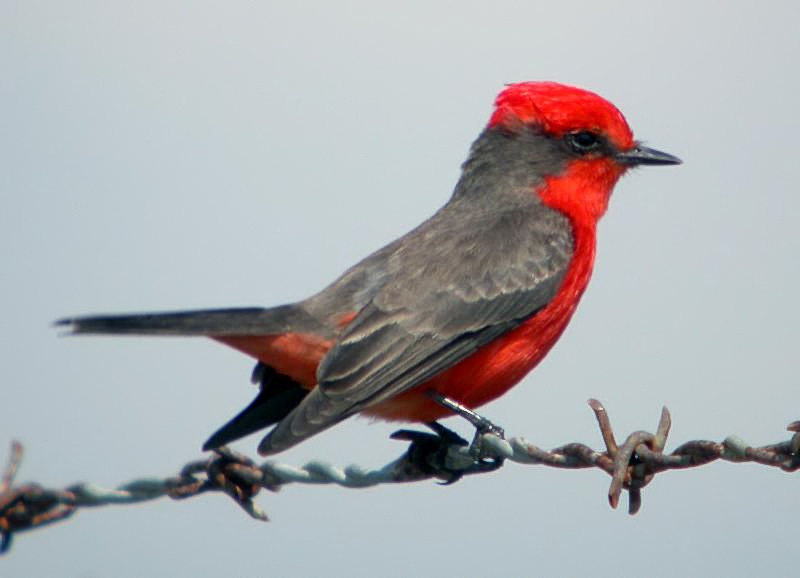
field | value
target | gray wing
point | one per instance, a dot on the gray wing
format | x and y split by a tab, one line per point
447	292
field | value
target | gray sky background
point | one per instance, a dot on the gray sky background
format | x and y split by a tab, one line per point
160	155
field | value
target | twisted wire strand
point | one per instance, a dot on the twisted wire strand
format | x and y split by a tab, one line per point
631	465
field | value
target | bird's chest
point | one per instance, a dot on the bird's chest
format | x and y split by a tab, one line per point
492	370
495	368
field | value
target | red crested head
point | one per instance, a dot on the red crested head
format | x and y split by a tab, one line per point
591	137
559	109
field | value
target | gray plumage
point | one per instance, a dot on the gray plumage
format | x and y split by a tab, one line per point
485	262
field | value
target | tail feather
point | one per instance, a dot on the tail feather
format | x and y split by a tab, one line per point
217	322
279	395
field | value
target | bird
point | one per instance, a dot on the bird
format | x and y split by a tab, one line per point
456	311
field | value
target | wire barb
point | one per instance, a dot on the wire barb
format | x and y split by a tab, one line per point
441	455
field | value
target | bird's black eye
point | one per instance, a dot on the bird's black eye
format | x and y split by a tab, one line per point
583	141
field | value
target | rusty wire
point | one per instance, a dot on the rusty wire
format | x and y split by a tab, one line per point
631	466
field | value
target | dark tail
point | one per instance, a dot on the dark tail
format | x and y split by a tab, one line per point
217	322
278	396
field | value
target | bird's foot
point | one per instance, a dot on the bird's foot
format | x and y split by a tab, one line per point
441	454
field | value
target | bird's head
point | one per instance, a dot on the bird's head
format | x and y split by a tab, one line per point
586	133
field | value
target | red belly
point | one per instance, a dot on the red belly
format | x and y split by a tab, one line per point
486	374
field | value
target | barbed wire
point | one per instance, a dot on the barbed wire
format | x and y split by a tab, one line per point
441	455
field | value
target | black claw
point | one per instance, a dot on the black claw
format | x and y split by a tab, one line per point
446	434
428	453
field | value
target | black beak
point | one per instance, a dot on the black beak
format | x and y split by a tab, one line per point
640	155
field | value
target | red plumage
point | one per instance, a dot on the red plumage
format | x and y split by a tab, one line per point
465	305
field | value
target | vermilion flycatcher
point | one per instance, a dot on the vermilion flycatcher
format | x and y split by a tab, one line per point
463	306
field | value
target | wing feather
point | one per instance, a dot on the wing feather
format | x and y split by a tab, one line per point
450	296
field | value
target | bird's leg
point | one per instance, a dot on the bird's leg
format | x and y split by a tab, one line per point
482	425
430	454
